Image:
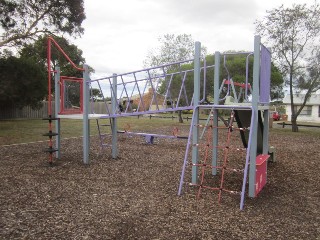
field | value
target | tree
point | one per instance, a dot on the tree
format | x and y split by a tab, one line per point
22	82
31	73
171	49
38	52
232	66
96	94
235	67
293	34
23	20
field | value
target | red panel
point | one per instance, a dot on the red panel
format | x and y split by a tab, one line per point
261	172
64	109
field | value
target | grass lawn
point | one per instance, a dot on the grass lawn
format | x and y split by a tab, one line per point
31	130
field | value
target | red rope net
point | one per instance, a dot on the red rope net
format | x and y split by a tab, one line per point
223	164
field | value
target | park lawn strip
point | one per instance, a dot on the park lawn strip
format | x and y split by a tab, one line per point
32	130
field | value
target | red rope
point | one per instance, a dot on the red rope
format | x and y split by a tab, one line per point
226	152
226	148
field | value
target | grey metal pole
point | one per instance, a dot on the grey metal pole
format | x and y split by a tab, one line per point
215	112
114	119
196	99
254	123
86	131
266	116
57	110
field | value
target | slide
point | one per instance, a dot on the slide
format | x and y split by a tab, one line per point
243	118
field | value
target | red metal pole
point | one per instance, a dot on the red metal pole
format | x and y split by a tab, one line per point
50	71
49	75
49	97
64	54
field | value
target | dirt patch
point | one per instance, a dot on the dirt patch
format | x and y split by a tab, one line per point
135	196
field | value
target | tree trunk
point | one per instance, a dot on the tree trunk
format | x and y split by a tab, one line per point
294	123
180	116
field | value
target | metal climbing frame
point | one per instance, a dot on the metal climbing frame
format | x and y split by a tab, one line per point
52	116
153	90
212	144
167	90
260	102
147	91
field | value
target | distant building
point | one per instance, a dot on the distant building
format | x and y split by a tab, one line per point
310	112
146	102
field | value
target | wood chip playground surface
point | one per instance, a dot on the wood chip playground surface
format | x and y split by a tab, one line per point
135	196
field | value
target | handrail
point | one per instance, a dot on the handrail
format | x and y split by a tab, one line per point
50	39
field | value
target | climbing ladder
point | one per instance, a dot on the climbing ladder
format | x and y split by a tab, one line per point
104	132
50	149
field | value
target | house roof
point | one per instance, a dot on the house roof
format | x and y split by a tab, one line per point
298	99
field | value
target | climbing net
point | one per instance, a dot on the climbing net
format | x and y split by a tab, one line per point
225	175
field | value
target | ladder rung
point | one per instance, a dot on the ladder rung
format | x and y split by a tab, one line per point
50	118
51	150
50	134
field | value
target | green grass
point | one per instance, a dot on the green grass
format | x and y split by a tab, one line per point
302	130
31	130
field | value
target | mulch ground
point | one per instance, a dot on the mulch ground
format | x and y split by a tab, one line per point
135	196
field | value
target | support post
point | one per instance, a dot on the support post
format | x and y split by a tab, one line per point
215	112
57	110
266	119
196	99
86	130
114	126
254	123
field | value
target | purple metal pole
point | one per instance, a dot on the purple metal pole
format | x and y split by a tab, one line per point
182	84
185	161
246	167
167	92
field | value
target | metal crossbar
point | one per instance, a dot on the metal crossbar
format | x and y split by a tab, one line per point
151	90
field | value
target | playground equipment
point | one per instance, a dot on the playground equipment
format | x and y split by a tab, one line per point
255	164
167	92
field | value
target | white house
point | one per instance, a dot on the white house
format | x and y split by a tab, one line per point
310	112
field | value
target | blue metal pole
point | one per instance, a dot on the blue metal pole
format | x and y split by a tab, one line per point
86	131
114	126
196	98
215	112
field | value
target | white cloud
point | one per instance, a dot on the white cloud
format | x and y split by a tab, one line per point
119	34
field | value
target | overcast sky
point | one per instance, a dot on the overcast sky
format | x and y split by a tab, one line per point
119	34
